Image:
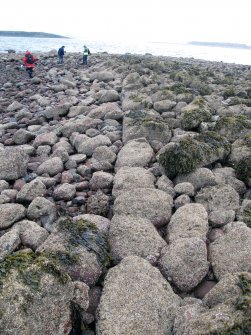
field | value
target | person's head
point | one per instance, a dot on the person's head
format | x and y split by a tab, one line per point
27	52
85	46
63	46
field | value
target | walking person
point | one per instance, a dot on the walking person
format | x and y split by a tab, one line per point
29	63
61	55
86	53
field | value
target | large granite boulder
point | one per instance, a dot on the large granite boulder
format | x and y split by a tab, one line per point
129	178
231	252
219	197
130	235
184	262
136	300
190	220
152	204
136	153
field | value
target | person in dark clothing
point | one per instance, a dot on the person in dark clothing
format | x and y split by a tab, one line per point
86	53
29	63
61	55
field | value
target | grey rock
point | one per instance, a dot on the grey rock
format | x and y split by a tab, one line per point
10	213
136	153
31	234
201	177
136	288
221	217
13	163
129	178
9	242
190	220
101	180
184	188
42	211
130	235
184	262
147	203
219	197
23	136
231	252
90	144
30	191
64	192
51	166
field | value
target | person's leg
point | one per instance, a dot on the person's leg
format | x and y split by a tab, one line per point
29	71
85	59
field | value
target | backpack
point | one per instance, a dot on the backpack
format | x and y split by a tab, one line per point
30	59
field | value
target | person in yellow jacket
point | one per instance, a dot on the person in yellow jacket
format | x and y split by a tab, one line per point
86	53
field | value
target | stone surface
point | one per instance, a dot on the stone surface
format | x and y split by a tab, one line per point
10	213
136	291
13	163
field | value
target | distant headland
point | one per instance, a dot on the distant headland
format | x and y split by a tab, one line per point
221	44
29	34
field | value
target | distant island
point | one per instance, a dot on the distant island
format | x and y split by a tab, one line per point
29	34
221	44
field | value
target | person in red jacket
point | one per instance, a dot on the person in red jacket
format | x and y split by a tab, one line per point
29	63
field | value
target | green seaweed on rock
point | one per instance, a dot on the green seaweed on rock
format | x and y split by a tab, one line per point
31	267
243	169
190	153
243	304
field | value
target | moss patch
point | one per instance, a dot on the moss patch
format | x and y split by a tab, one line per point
31	267
191	153
86	234
193	118
243	304
243	169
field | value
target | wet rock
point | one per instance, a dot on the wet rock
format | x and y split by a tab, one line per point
43	212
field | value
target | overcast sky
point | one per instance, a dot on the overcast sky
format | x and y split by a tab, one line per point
133	20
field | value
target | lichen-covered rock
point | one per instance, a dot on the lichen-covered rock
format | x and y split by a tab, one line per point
142	124
233	127
35	297
152	204
192	116
83	247
184	262
130	235
191	153
188	221
136	300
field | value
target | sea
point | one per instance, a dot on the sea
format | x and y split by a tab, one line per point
181	50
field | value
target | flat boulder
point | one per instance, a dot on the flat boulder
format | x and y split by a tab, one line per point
152	204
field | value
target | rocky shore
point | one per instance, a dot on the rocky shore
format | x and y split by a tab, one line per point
125	196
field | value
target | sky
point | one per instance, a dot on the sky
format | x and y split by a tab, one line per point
133	20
